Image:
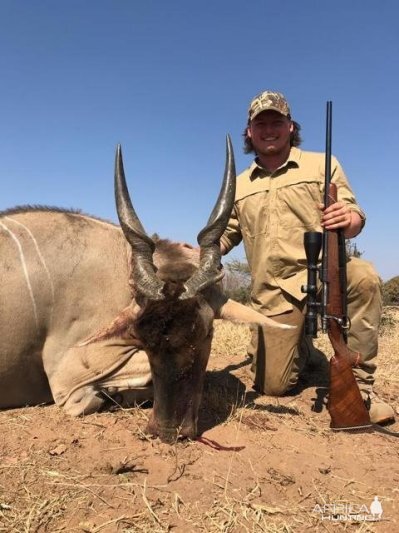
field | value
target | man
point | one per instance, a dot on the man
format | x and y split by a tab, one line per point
278	198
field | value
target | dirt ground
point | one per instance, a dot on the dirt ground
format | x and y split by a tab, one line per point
264	464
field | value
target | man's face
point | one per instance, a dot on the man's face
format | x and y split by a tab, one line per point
270	133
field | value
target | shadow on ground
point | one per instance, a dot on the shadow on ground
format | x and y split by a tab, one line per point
224	392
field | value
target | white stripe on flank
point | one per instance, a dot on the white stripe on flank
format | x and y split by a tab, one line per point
43	262
22	257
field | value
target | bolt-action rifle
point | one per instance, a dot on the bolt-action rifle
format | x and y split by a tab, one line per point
345	403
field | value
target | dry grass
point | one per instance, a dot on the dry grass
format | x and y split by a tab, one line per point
388	372
276	460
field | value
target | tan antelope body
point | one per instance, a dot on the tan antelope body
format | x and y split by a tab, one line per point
88	310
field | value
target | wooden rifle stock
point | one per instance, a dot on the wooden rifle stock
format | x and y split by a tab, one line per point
345	403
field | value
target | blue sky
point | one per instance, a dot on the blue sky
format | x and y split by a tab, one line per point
169	79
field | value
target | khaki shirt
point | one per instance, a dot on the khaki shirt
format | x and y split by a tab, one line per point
270	215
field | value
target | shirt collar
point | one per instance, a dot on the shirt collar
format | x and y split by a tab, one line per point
256	169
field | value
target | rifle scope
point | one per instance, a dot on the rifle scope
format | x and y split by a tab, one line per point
312	242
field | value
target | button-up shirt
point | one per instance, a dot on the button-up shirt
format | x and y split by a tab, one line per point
270	215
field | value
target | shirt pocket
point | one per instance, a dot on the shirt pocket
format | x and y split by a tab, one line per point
254	213
297	203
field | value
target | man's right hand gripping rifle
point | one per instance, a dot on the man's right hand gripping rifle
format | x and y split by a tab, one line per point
345	403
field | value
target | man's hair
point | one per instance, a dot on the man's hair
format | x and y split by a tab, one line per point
295	139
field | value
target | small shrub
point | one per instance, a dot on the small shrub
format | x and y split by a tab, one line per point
390	291
389	319
237	281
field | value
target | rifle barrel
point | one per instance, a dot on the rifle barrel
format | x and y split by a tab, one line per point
327	170
327	180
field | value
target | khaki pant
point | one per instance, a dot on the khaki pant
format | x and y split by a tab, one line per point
280	355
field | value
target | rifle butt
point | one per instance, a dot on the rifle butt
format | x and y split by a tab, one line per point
345	403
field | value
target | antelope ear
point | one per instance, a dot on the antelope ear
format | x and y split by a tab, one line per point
121	326
237	312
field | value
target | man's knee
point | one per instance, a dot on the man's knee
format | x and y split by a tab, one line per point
278	387
275	390
362	277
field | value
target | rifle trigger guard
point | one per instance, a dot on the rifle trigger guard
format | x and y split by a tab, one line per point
344	323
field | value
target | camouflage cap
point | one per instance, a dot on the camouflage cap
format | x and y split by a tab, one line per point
269	101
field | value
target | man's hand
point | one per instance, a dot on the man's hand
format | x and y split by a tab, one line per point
340	216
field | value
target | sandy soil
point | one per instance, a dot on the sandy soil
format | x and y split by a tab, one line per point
264	464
